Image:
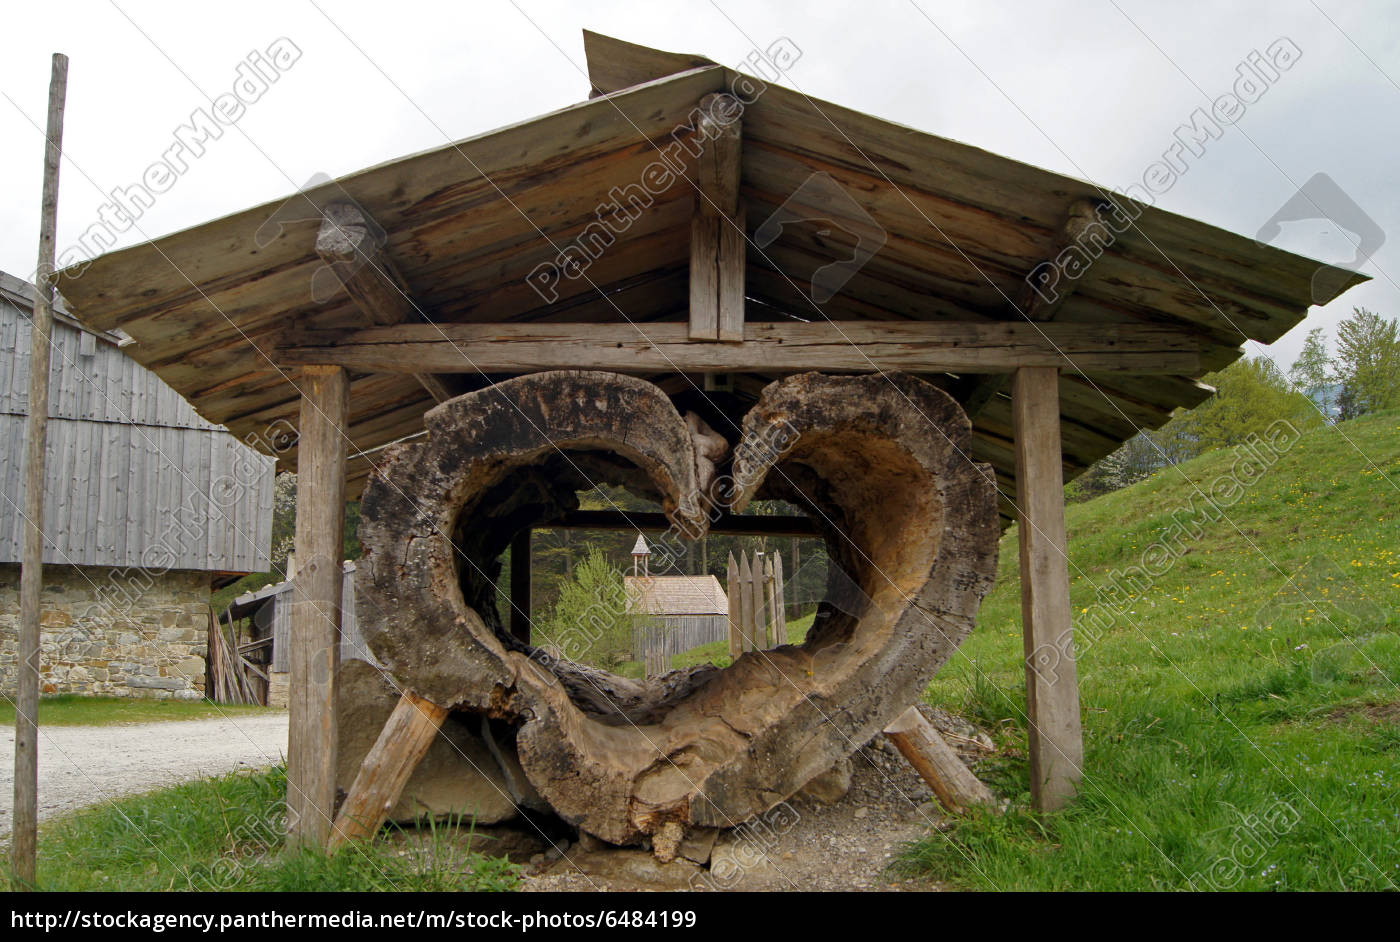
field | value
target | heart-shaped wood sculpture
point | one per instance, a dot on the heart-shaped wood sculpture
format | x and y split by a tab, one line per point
880	462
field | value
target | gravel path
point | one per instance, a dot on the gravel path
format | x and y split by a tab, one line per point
85	765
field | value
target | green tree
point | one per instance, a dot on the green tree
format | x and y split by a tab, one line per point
1251	394
590	621
1368	364
1311	373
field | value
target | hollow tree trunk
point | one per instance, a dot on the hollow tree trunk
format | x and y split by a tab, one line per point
879	461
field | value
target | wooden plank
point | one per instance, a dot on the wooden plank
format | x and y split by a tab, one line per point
990	347
24	840
758	624
315	615
386	768
755	525
779	608
952	782
736	627
1052	685
747	612
520	586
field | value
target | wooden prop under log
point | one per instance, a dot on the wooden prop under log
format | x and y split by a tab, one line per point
879	461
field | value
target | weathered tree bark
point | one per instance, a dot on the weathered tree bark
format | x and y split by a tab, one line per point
879	461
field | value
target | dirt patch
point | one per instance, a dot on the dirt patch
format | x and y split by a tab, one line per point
1373	712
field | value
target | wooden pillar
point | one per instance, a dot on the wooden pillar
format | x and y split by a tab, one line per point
717	244
1052	684
24	844
520	586
315	641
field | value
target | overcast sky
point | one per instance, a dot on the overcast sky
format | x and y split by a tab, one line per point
1096	90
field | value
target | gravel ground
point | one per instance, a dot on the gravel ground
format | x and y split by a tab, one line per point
85	765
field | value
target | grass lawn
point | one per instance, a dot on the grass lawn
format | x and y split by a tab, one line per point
226	834
1238	733
71	710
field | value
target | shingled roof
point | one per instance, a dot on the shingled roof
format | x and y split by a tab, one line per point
467	222
676	595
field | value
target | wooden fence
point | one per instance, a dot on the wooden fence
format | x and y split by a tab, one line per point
757	606
658	638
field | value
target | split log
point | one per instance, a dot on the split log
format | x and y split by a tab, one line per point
879	461
386	769
952	782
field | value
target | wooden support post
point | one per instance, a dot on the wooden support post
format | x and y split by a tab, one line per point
24	844
717	243
316	600
1052	683
386	768
520	586
952	782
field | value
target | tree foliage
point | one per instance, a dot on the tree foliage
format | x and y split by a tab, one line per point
1367	364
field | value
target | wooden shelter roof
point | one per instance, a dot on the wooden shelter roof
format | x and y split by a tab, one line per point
208	307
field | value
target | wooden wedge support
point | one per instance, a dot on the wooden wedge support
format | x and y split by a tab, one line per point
952	782
387	768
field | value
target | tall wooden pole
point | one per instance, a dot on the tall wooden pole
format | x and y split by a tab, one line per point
1052	680
316	599
31	582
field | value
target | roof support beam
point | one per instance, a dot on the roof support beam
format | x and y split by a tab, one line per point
855	346
1041	299
717	226
353	245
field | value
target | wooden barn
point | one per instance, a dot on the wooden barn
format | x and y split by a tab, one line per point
149	506
690	256
675	613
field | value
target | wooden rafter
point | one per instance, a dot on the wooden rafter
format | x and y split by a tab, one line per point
354	246
1037	308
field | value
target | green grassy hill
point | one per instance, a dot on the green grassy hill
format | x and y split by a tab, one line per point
1238	674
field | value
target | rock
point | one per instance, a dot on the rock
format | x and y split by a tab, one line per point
861	813
667	841
699	844
831	786
590	844
458	775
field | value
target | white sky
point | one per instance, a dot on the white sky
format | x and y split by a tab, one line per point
1092	89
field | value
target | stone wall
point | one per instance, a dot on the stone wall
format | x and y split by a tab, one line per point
135	635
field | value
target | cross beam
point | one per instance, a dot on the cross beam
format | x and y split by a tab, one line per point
855	346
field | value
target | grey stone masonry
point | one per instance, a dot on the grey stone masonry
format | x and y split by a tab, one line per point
113	632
